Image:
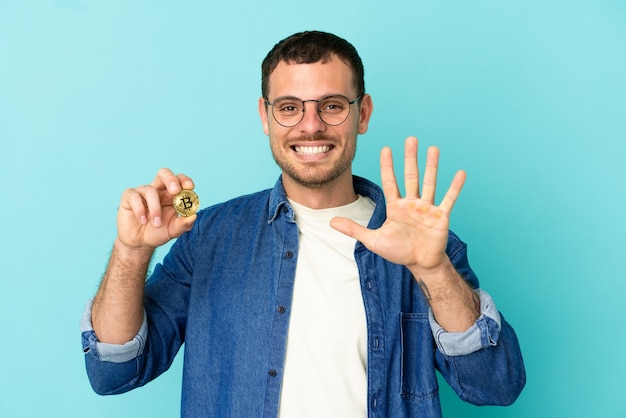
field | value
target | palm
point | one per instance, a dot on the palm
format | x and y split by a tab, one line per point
415	232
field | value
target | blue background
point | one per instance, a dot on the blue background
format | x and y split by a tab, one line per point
527	97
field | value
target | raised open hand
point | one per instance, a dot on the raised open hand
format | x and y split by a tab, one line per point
415	232
146	217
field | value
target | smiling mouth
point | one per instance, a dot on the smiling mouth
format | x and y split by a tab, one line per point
309	150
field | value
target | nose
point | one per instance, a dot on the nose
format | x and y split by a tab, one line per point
311	122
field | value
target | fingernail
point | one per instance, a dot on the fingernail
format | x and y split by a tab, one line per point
143	220
156	221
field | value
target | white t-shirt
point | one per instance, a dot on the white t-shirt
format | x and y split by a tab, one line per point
326	359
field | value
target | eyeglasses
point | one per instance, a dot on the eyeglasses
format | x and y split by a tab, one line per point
333	110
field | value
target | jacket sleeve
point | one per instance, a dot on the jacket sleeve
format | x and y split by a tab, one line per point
484	365
113	368
494	375
482	334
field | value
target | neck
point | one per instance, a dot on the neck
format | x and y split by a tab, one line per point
339	192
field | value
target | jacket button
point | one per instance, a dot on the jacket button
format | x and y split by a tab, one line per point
288	254
272	372
281	309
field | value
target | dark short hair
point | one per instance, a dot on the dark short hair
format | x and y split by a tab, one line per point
310	47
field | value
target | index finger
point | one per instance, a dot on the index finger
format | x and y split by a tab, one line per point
166	179
387	176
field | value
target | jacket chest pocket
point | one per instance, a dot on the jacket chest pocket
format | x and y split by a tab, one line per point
419	382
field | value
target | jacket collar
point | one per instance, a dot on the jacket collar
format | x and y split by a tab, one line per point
278	203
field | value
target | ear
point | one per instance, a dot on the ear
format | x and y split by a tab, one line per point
365	112
263	114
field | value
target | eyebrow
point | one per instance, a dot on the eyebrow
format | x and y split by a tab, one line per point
306	100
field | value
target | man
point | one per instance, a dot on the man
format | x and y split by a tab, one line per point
314	298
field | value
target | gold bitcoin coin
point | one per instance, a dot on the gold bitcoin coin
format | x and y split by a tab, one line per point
186	203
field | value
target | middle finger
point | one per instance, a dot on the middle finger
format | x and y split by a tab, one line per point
411	171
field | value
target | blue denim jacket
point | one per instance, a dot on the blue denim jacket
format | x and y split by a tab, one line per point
225	290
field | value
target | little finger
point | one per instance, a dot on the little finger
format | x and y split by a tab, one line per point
448	201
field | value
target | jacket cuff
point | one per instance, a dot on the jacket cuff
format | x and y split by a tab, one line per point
483	334
114	353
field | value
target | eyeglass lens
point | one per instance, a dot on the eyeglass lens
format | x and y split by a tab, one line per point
289	111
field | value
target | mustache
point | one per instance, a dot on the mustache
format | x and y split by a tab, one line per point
316	137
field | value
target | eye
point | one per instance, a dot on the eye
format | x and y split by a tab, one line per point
287	106
333	104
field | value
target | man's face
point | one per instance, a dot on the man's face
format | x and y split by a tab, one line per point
313	154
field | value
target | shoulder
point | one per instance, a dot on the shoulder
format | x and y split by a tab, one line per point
254	204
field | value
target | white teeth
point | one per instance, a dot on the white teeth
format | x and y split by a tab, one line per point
312	150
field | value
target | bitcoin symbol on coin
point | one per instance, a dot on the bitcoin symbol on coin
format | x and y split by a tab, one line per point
186	203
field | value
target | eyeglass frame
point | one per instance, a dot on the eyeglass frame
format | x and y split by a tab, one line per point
319	111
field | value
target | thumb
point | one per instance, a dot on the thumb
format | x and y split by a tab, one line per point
350	228
180	225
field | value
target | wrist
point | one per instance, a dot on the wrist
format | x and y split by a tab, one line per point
129	252
439	283
440	269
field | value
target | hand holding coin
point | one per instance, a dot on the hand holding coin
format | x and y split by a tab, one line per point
186	203
153	214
